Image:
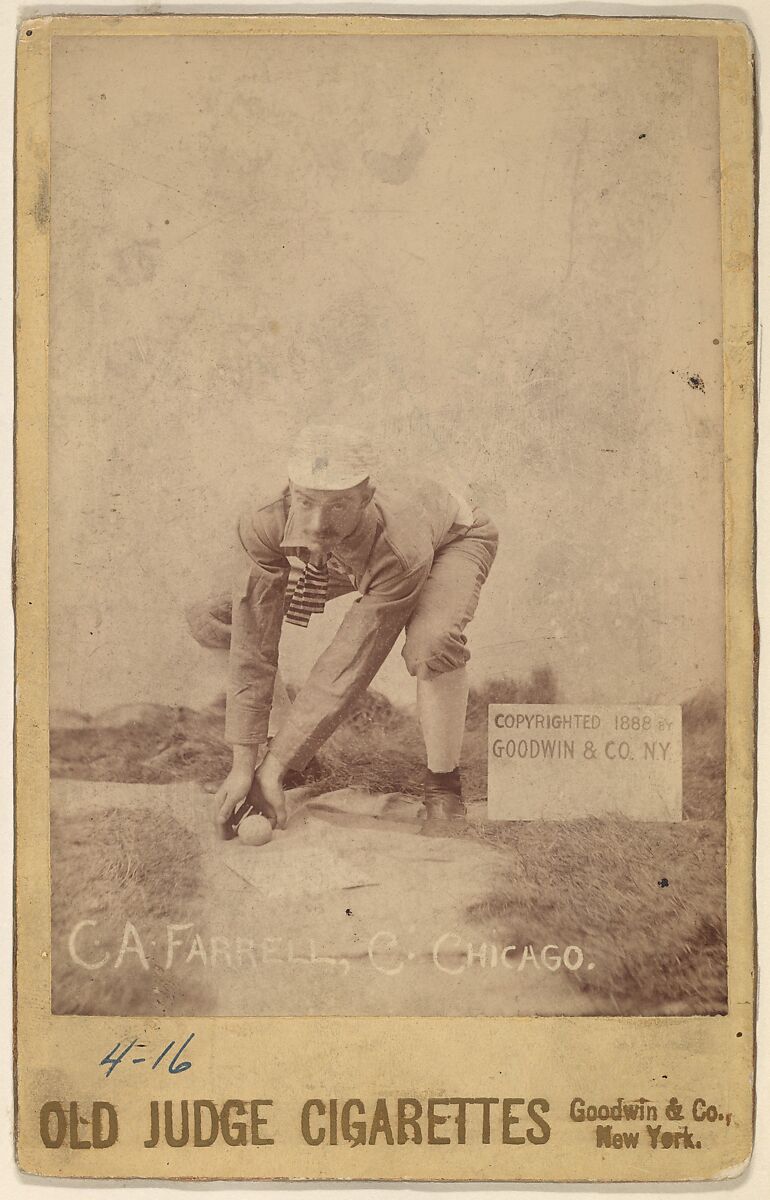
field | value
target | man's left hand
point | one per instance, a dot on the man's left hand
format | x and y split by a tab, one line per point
269	779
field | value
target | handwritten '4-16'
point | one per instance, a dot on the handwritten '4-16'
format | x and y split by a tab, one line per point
119	1054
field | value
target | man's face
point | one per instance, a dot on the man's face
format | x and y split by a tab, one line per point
325	518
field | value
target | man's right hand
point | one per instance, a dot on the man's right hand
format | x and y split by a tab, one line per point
236	787
233	791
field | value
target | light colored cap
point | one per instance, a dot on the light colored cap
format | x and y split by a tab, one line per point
330	458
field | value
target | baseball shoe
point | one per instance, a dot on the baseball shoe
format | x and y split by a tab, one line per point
443	800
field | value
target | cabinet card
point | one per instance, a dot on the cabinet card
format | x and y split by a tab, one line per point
384	587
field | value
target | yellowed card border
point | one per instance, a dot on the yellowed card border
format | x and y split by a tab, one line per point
737	150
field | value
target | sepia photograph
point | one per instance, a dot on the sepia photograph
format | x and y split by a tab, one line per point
386	535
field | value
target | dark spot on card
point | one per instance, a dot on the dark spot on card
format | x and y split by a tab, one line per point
42	206
397	168
348	912
663	883
137	262
696	383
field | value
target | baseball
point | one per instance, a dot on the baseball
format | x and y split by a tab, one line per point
255	830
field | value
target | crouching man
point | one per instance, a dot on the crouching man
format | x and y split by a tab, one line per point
418	555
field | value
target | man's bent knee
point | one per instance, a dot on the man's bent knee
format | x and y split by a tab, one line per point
210	621
434	652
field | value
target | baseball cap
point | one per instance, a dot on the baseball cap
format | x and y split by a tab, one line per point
330	458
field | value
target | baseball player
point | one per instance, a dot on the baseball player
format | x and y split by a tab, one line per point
417	555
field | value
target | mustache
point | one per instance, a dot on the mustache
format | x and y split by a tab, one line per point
319	535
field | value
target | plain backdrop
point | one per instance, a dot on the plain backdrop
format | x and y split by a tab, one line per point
756	1182
499	257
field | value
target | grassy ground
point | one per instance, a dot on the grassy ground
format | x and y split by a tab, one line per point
106	869
646	902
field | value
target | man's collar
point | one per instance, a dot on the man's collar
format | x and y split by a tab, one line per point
353	551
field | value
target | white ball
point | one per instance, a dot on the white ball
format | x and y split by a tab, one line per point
255	830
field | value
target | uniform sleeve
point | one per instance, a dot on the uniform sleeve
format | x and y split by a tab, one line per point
346	668
259	588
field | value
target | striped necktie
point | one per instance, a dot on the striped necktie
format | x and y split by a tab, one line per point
310	594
